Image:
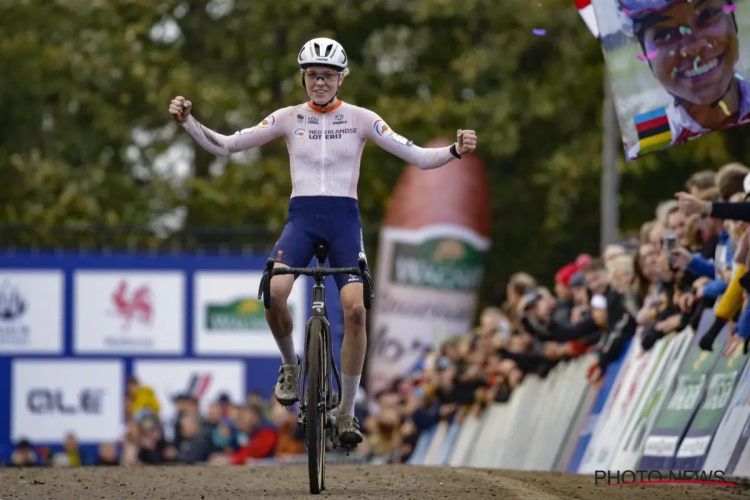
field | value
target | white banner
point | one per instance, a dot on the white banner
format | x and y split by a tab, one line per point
53	398
31	312
129	312
426	288
205	380
230	320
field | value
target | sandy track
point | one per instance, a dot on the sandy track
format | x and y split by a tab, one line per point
343	482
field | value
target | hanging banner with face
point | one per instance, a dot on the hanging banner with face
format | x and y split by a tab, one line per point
676	68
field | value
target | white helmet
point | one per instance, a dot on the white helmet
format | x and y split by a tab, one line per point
323	52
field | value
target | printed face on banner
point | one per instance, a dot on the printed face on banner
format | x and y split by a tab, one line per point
676	68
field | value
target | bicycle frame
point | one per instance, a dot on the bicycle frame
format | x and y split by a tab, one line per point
319	311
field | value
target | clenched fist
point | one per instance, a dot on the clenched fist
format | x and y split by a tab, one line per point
467	141
180	108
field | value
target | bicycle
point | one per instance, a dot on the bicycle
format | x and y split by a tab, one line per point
318	401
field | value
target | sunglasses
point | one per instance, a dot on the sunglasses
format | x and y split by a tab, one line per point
328	76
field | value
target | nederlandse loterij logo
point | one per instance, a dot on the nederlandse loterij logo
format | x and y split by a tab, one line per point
646	477
239	315
443	264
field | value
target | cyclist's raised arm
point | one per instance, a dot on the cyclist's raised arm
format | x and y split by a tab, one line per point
272	127
379	132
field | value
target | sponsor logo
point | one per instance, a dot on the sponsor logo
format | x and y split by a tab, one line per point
244	314
330	134
269	121
201	379
134	307
279	254
13	307
443	264
50	401
53	397
300	119
313	120
197	386
352	278
300	133
339	119
245	131
382	128
123	311
402	140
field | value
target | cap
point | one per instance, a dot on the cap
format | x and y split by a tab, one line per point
224	399
564	274
577	281
582	260
637	8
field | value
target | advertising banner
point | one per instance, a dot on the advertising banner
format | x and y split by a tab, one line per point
430	264
53	398
721	384
605	391
204	380
677	69
651	399
664	440
129	312
732	435
229	320
31	312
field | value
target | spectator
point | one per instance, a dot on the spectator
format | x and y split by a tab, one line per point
195	444
24	455
71	454
291	437
259	437
107	455
700	182
152	447
142	399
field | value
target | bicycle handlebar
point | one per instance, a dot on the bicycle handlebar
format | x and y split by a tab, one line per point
311	271
270	271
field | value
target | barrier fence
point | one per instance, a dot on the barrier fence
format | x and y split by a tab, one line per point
672	408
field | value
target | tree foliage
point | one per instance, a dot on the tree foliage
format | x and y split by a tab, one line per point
86	137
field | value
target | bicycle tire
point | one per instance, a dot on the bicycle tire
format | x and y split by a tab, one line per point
316	422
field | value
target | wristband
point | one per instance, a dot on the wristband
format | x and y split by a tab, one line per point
454	151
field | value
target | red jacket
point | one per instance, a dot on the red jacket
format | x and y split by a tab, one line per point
261	445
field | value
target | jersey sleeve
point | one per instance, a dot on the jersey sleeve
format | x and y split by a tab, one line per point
377	130
270	128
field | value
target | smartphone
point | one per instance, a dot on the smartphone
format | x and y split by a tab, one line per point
669	240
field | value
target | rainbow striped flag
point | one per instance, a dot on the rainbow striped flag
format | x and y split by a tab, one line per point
653	131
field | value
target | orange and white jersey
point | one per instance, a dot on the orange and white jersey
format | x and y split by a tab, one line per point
325	148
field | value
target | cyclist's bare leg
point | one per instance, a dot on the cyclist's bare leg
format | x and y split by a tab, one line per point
353	353
280	321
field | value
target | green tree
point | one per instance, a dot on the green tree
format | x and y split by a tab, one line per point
86	137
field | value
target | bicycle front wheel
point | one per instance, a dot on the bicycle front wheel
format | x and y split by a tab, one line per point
316	411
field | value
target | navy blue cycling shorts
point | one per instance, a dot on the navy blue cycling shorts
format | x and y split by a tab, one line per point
312	220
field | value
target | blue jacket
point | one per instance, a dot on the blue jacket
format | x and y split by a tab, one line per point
708	267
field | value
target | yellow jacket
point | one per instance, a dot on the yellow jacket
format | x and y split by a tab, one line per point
732	299
144	398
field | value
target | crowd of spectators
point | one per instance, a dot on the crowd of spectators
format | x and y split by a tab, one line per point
657	282
660	281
